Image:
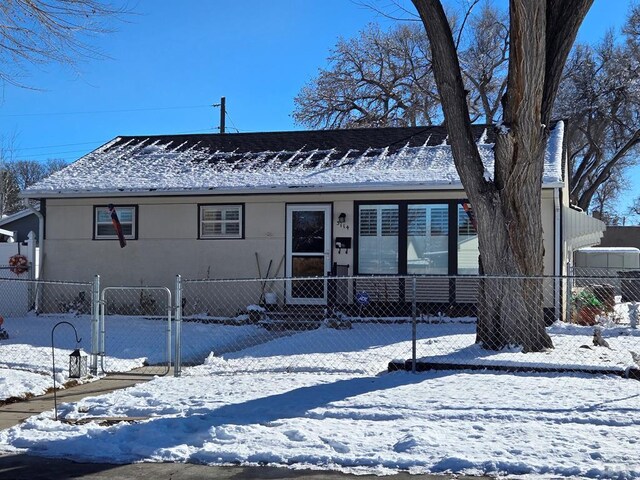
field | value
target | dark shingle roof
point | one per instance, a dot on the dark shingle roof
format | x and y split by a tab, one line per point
326	159
340	140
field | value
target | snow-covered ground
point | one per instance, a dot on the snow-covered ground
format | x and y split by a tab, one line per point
321	399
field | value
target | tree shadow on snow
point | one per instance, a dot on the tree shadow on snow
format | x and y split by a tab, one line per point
128	442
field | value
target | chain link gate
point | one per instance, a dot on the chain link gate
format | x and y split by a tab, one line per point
146	314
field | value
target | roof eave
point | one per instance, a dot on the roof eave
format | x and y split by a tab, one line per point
254	191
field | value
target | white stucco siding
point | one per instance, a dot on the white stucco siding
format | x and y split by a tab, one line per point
548	230
167	237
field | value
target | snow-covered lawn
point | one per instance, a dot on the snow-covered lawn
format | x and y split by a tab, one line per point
321	399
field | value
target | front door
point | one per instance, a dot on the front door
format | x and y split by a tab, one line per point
308	252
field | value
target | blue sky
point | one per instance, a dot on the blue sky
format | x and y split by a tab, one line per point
170	61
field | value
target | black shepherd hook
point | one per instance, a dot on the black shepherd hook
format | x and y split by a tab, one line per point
53	355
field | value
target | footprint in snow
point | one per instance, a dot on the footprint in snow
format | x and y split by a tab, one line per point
405	444
337	446
295	435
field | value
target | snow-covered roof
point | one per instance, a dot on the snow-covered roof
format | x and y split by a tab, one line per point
18	215
328	160
633	250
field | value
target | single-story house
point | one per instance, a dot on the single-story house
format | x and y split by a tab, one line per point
619	236
21	223
375	201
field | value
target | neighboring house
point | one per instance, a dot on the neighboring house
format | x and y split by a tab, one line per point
21	223
621	237
381	201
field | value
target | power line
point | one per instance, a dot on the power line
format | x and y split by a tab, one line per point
61	145
53	154
232	123
91	112
99	142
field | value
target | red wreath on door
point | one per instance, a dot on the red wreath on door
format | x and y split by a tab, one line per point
18	264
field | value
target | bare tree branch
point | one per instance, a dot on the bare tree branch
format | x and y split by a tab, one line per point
37	32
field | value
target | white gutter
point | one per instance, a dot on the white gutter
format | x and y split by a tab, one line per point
258	190
40	236
557	248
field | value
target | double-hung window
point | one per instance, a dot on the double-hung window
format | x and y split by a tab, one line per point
221	221
104	228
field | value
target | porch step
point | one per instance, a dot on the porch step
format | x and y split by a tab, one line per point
293	318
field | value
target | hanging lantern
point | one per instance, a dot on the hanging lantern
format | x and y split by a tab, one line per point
78	364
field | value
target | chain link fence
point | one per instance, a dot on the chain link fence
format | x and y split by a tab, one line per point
30	309
245	325
363	325
369	324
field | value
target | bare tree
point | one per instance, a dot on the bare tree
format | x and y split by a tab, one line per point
8	188
600	95
508	205
16	175
41	31
384	78
484	60
605	197
28	172
376	79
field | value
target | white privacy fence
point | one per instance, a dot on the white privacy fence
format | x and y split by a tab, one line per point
364	325
17	263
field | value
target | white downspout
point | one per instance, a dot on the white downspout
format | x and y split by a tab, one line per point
40	236
557	249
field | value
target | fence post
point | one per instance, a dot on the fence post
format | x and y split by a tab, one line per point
177	365
414	327
95	322
633	315
570	274
31	255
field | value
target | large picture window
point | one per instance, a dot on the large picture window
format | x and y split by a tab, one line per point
378	239
221	221
428	239
103	228
417	238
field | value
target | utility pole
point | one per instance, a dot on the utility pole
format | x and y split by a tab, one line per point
223	101
223	112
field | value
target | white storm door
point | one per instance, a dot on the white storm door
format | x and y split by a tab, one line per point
308	252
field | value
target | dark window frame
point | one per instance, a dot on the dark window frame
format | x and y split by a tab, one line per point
403	230
134	223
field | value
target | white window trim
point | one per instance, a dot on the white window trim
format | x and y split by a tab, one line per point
119	208
240	221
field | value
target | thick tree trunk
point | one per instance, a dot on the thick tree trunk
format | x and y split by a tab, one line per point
508	207
512	309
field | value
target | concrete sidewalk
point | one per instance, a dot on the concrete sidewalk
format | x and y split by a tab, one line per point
14	413
23	467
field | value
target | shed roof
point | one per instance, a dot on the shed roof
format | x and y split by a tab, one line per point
328	160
